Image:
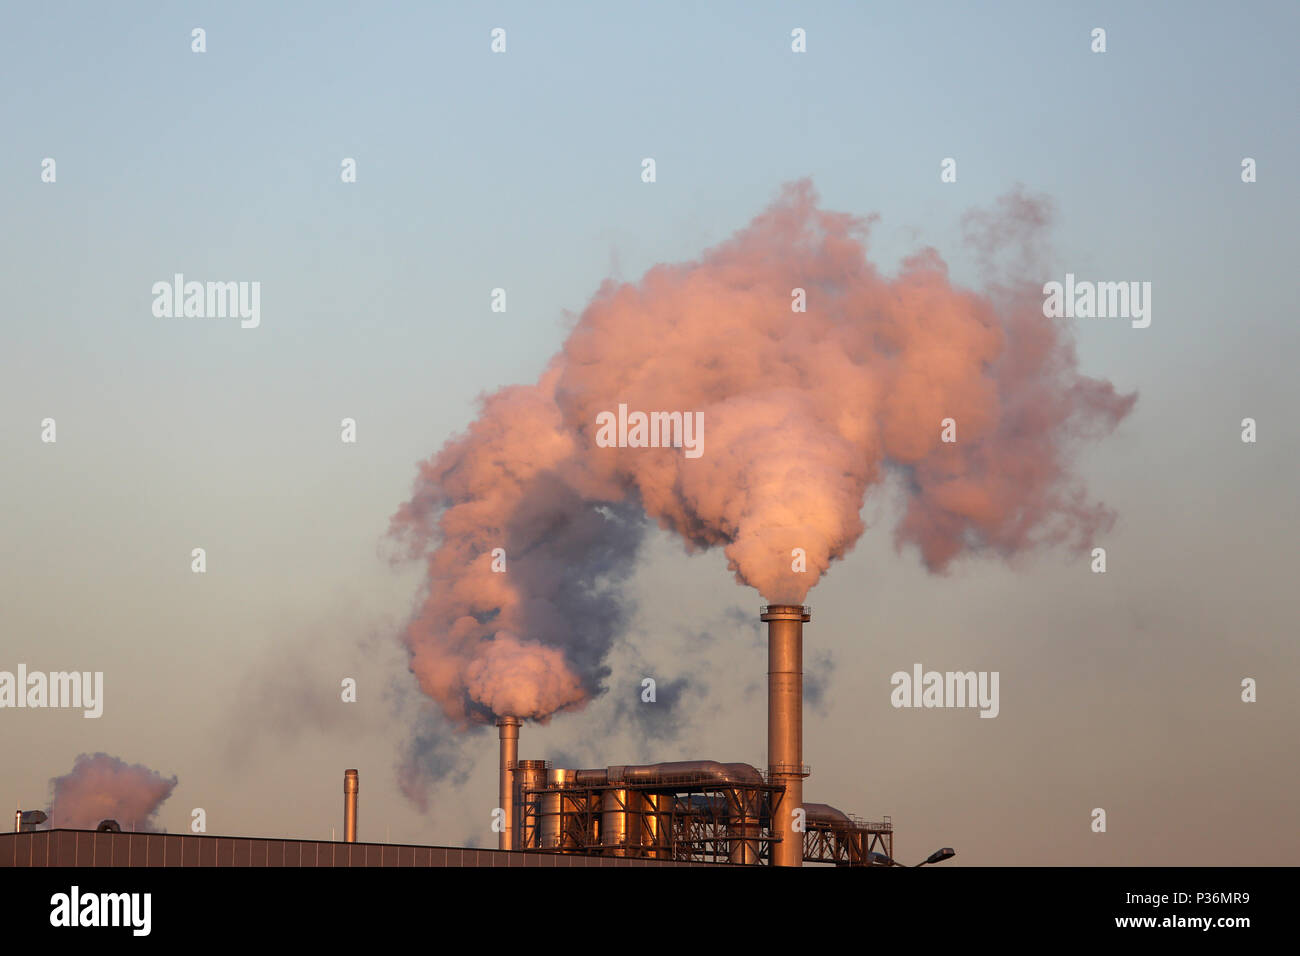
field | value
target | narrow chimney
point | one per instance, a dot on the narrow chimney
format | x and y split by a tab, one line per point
785	723
509	728
351	786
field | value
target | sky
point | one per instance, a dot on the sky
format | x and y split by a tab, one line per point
522	170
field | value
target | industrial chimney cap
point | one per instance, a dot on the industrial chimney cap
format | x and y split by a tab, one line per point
785	612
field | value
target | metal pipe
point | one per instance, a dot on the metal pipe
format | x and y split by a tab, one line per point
785	724
351	787
591	778
684	771
506	793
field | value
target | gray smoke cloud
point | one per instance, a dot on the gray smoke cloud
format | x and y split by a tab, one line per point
662	719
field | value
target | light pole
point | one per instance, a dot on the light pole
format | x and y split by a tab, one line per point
938	856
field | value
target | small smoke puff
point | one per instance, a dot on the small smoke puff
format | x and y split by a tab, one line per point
101	787
522	678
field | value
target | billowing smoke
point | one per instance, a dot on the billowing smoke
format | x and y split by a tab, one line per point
803	412
102	787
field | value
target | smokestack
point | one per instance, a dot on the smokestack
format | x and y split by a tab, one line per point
785	723
506	794
351	786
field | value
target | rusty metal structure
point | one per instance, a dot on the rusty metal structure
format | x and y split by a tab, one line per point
698	811
832	836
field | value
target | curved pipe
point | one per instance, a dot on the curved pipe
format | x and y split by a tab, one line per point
825	813
676	771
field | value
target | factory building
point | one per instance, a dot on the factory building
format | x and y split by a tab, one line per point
116	849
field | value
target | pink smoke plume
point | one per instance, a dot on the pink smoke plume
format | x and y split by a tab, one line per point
803	411
102	787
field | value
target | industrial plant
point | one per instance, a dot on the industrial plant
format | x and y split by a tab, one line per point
694	810
678	813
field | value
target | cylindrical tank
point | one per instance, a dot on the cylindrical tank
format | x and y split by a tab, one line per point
551	818
619	820
351	789
529	775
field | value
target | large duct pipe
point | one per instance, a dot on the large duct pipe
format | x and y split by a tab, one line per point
351	787
509	757
785	723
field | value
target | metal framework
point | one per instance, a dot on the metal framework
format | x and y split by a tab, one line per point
688	817
848	844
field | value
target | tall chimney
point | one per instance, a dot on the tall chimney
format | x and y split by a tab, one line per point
506	794
785	723
351	786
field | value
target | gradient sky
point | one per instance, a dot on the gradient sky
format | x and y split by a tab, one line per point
522	170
